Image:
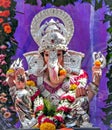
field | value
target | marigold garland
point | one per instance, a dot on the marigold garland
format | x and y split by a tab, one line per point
47	126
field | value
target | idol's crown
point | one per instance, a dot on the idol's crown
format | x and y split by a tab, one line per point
52	34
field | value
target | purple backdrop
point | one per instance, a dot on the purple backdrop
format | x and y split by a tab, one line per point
90	35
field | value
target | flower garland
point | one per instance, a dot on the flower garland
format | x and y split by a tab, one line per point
8	47
8	44
60	113
65	105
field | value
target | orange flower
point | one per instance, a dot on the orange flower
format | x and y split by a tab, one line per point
7	28
7	115
62	72
1	20
97	63
47	126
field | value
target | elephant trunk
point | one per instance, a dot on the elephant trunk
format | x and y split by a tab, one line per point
53	68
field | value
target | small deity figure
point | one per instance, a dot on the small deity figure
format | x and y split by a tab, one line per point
61	93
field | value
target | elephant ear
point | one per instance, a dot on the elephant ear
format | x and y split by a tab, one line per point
73	61
35	62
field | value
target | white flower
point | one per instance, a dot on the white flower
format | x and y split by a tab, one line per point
83	82
38	101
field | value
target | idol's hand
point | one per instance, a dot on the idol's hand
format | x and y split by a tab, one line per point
81	92
97	72
20	78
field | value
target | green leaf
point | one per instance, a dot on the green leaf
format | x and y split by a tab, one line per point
108	109
44	2
49	109
109	58
109	99
108	119
109	75
72	1
109	41
108	2
107	18
2	39
32	2
109	29
89	1
59	3
109	49
98	5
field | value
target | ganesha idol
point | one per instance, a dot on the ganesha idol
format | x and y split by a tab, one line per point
54	90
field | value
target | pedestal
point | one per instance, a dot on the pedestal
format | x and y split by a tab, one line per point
59	129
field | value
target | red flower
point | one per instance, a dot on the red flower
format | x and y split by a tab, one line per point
48	120
83	75
59	118
3	75
6	3
63	108
5	13
68	97
40	118
35	95
2	57
3	47
1	2
1	20
3	62
39	108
